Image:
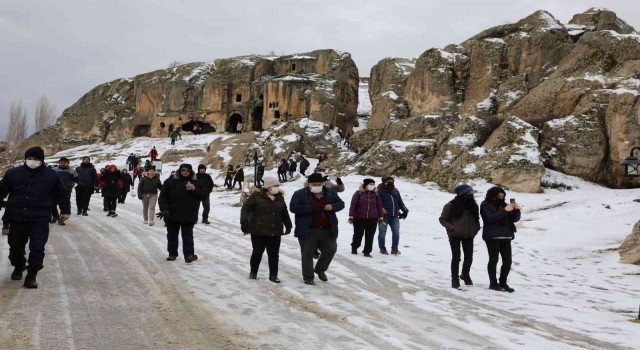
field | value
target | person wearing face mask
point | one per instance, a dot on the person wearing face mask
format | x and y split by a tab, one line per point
394	210
112	180
499	229
31	188
364	213
148	194
315	208
338	186
265	216
68	177
86	184
207	182
461	218
179	201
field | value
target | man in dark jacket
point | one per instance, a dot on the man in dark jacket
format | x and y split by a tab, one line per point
260	174
179	200
68	177
112	180
31	188
304	165
394	211
315	207
238	178
206	182
86	184
292	167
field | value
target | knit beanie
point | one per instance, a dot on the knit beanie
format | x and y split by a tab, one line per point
202	166
270	181
35	152
463	189
367	181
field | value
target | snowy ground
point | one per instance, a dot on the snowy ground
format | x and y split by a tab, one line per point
570	290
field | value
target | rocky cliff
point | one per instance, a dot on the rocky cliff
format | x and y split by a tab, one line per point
510	101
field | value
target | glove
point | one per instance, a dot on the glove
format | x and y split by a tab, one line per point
350	220
338	181
287	231
404	214
381	220
163	214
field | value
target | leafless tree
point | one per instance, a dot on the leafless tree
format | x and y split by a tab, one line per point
17	123
174	64
45	113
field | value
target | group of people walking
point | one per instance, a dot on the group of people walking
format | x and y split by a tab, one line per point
36	192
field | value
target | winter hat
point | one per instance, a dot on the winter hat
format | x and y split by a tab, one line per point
35	152
367	181
202	166
315	177
387	178
64	159
270	181
463	189
185	165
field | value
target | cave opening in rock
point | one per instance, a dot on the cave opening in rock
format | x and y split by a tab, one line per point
142	130
235	123
257	119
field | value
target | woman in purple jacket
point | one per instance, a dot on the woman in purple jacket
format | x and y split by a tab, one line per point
365	213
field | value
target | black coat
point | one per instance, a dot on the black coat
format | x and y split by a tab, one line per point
293	165
265	217
87	175
239	175
31	192
127	183
111	181
498	222
304	164
182	205
206	181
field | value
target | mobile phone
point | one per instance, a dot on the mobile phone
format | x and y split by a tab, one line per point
512	200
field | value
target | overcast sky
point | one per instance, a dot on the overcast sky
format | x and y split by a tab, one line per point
64	48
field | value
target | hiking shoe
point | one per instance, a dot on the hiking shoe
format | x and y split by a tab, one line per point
172	257
496	287
455	283
274	279
30	281
17	273
316	255
79	212
368	255
354	251
206	222
60	222
395	251
84	213
190	258
467	280
322	276
310	282
114	214
254	276
383	251
506	287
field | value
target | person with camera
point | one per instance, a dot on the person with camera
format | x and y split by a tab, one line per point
461	218
394	210
265	216
179	202
499	229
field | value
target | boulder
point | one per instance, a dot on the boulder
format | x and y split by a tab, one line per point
630	248
399	158
601	19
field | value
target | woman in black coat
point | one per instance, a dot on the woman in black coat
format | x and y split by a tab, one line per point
499	229
127	185
265	216
461	218
112	180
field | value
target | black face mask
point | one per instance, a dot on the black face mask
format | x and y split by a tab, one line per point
389	185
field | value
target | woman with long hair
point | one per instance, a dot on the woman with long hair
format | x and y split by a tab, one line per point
461	218
499	229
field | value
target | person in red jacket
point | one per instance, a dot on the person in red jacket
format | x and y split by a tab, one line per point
153	153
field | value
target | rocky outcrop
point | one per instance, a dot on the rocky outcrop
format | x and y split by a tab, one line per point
630	247
246	93
387	82
579	83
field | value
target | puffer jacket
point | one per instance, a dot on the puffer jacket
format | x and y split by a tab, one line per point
498	223
149	185
466	226
365	205
182	204
262	216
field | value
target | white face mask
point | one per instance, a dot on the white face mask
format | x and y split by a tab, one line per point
275	190
33	163
315	189
371	187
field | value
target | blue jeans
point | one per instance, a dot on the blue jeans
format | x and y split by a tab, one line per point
291	174
394	223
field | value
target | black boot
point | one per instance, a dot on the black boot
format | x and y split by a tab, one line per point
467	279
274	279
253	275
495	286
30	280
17	273
455	283
505	286
84	213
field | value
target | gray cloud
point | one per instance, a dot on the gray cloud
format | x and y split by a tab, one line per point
65	48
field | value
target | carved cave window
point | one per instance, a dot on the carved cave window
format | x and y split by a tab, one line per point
238	97
293	67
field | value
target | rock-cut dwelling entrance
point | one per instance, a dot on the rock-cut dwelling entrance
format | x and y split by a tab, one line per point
234	123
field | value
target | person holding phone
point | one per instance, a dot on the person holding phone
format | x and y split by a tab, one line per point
499	229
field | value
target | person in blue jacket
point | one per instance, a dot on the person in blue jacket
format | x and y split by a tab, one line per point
394	210
31	188
315	208
499	229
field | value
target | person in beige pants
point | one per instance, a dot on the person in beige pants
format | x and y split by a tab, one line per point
148	193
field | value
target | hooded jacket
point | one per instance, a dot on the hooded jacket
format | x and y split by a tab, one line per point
262	216
391	201
365	205
31	192
182	204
